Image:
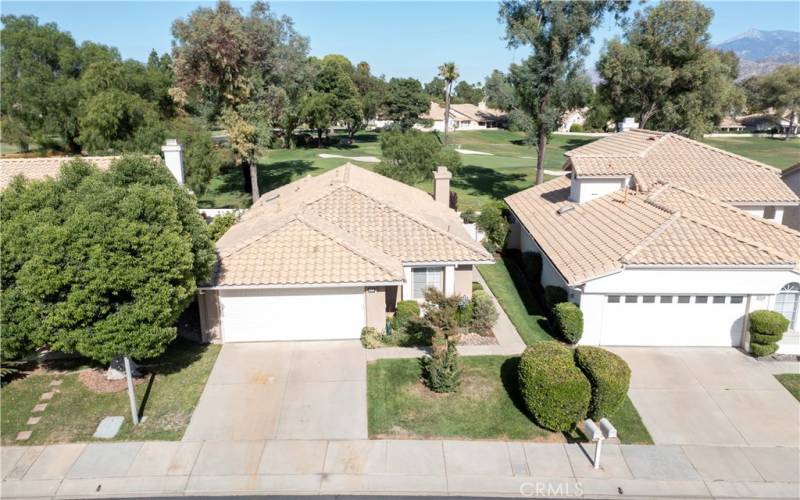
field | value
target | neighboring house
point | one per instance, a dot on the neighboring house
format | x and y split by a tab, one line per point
463	117
791	176
730	124
664	241
573	117
42	167
770	122
324	256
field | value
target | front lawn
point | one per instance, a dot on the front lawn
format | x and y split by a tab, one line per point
167	398
508	284
486	406
792	383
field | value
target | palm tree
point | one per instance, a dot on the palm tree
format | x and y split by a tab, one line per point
449	73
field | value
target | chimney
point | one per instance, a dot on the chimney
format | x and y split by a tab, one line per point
173	158
441	185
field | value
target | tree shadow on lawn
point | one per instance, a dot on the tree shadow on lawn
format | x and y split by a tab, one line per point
530	297
277	174
487	181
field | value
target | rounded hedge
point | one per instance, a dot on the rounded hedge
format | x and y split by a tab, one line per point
610	377
760	338
554	390
569	319
760	350
765	322
405	311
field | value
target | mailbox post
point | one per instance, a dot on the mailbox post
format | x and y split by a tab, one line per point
598	434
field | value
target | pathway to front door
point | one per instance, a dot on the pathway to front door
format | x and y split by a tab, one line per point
284	390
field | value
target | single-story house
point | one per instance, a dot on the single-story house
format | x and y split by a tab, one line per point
791	176
48	166
730	124
463	117
572	117
324	256
664	241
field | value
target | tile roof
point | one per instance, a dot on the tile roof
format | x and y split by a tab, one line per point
39	168
669	226
657	157
464	111
378	220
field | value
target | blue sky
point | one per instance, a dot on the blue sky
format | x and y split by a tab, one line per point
396	38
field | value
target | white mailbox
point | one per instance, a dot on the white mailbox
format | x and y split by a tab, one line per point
593	432
609	431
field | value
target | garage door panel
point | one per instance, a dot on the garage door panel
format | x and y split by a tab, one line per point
657	324
292	314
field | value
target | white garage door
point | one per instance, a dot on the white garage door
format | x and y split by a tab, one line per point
673	320
292	314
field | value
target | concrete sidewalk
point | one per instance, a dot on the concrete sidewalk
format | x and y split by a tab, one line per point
396	467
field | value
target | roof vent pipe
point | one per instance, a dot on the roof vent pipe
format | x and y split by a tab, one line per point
565	209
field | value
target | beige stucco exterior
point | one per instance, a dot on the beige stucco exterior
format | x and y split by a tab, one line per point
208	304
463	281
375	306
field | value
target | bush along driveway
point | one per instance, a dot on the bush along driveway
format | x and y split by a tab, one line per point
487	405
167	396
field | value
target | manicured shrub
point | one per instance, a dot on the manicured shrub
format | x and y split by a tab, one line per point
405	311
576	127
492	222
554	390
370	338
768	322
609	376
484	314
554	295
761	350
442	369
766	330
569	320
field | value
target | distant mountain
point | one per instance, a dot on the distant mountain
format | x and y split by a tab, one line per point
762	51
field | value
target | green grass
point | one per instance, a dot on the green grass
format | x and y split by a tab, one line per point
167	398
507	283
486	406
777	152
792	383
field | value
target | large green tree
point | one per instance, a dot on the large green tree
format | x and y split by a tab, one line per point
404	102
778	92
559	33
499	91
468	93
99	263
411	156
665	73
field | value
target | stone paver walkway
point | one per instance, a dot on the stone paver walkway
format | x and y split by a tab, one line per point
397	467
509	342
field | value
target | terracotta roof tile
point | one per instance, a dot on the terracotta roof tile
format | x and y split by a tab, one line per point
39	168
383	221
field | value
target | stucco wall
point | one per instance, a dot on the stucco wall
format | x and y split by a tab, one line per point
375	299
791	215
463	281
587	189
208	305
549	274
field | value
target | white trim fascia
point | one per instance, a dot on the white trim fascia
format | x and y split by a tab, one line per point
447	263
768	267
761	203
302	285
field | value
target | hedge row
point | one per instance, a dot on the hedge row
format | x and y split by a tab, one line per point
561	386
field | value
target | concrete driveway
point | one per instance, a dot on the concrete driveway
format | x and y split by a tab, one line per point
710	396
284	390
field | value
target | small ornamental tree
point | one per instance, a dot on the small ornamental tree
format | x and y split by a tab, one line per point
100	263
766	330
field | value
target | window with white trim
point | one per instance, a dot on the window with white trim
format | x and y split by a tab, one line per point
649	299
719	299
787	302
701	299
423	278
